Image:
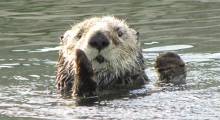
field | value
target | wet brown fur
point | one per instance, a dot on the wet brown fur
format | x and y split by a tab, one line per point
83	84
64	76
171	69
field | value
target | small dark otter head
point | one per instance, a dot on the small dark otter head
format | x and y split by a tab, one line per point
171	69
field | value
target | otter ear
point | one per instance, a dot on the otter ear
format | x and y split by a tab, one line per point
61	39
135	33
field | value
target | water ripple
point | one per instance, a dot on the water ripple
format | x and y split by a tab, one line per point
11	65
167	48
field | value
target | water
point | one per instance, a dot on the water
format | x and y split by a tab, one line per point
28	52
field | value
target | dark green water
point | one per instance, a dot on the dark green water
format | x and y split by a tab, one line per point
29	31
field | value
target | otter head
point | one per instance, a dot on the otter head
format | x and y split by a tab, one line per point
109	43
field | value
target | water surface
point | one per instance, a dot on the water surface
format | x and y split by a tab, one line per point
28	52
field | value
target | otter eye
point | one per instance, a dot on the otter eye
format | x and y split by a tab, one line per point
119	32
61	37
79	35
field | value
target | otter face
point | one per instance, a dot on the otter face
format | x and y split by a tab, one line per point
109	43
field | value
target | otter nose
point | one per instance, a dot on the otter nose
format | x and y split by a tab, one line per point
99	41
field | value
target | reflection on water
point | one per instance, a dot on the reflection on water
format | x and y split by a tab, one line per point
28	52
167	48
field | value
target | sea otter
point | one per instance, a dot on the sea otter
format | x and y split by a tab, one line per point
99	53
171	69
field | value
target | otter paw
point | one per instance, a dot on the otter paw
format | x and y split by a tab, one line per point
83	84
171	69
